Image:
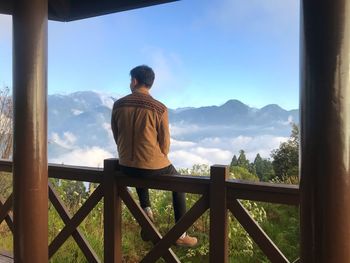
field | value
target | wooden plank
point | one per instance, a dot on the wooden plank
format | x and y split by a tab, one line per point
77	173
73	222
218	236
176	183
264	192
67	172
145	223
5	165
112	214
178	229
257	233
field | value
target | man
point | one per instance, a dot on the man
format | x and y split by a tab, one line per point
141	131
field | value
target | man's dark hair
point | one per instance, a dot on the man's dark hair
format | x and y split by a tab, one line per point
144	75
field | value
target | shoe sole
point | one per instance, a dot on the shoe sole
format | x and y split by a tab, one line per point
186	246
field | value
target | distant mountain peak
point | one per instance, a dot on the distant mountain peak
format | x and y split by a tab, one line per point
272	106
234	103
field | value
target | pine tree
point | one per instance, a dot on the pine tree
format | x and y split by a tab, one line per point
258	163
242	160
234	161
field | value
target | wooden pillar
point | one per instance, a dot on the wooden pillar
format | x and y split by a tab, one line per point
218	246
112	214
30	130
325	131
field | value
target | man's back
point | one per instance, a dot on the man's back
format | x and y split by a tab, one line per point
140	128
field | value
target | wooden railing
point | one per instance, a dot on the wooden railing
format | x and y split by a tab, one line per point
218	194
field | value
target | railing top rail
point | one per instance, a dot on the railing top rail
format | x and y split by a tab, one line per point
68	172
240	189
262	186
264	192
77	173
178	183
5	165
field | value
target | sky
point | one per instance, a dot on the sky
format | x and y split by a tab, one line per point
204	52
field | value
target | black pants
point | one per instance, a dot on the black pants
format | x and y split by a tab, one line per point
179	201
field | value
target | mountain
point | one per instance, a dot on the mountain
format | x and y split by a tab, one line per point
233	112
82	119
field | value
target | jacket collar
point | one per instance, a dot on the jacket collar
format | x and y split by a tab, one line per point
144	91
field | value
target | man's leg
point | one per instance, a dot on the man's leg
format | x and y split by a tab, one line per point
179	203
179	199
143	194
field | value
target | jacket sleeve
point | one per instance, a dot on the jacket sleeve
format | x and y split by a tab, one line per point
114	124
164	134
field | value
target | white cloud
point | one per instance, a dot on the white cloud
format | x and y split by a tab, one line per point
89	156
175	144
186	159
188	156
184	154
289	121
262	144
182	129
76	112
66	141
107	99
107	127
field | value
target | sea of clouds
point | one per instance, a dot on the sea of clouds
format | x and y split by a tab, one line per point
183	153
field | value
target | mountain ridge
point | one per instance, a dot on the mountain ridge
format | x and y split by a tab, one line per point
82	119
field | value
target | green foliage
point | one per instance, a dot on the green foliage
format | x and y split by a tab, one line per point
197	169
282	227
286	157
242	160
6	240
264	168
280	222
234	161
237	172
5	184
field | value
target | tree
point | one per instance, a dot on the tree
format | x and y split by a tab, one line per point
6	116
6	136
286	157
258	162
242	160
234	161
264	169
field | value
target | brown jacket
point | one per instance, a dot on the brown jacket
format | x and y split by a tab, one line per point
141	130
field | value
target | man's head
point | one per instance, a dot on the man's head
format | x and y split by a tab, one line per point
141	76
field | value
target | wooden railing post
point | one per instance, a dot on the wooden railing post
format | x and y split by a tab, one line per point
218	247
112	214
30	194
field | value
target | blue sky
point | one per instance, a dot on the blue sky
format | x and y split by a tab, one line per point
204	52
